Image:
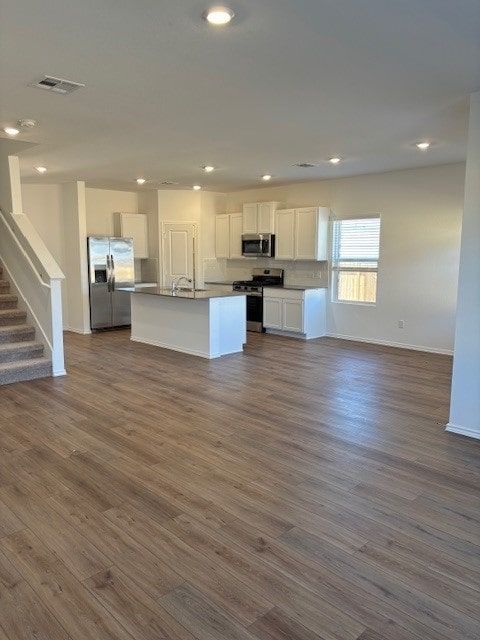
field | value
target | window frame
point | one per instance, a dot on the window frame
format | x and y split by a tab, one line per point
335	271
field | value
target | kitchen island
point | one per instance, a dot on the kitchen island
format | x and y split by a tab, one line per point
202	323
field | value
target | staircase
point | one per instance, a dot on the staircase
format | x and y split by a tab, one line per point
21	358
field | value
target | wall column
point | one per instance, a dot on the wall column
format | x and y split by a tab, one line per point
465	400
76	268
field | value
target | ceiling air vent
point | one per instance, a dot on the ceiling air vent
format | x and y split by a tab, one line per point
305	165
58	85
169	183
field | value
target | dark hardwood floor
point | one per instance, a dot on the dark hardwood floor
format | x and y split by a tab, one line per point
297	491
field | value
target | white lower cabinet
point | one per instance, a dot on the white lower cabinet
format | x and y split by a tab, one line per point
294	311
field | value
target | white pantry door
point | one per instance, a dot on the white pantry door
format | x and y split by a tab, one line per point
178	250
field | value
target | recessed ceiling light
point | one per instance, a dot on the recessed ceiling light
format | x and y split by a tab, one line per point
208	168
334	160
218	15
11	131
196	187
141	180
266	177
41	169
423	145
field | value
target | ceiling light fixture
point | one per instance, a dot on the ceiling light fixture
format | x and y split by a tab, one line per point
266	177
208	168
423	145
334	160
218	15
27	123
41	169
141	180
196	187
11	131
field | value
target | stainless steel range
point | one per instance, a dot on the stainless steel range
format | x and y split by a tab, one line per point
254	290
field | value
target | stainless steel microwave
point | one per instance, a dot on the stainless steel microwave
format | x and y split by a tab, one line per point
258	245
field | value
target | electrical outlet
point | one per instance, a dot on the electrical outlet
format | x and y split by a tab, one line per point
401	324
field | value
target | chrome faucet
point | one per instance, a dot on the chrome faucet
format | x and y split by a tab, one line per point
176	282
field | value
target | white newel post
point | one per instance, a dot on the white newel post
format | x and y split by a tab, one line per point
58	360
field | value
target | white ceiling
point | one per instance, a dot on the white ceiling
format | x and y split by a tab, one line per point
288	81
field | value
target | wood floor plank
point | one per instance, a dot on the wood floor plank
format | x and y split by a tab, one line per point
72	604
209	577
153	577
142	616
374	612
9	523
298	490
276	625
81	557
294	598
431	612
201	616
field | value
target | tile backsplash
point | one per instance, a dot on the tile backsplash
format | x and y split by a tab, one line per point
309	273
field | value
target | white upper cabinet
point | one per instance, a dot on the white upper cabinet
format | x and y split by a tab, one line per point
222	236
301	234
285	234
259	217
133	225
228	235
236	230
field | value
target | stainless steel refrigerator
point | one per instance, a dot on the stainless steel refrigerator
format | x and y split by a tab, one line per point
110	266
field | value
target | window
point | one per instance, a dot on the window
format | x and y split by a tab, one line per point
355	252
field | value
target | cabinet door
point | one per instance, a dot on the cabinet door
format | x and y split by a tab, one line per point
266	217
285	234
306	234
293	316
236	230
222	236
272	313
250	218
134	225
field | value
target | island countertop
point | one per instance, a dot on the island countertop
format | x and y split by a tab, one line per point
199	294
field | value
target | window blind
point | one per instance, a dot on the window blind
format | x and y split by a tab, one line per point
356	244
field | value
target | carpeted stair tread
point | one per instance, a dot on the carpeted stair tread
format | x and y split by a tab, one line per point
16	351
8	301
21	370
16	333
12	316
4	286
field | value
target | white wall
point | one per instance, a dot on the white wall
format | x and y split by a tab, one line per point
10	185
421	213
465	401
76	271
102	204
43	205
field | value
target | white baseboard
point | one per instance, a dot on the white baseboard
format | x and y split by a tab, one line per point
462	431
56	374
388	343
79	331
190	352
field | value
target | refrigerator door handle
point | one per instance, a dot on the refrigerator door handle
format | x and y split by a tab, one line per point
112	278
109	274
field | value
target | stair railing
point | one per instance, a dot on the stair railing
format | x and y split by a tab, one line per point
37	278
